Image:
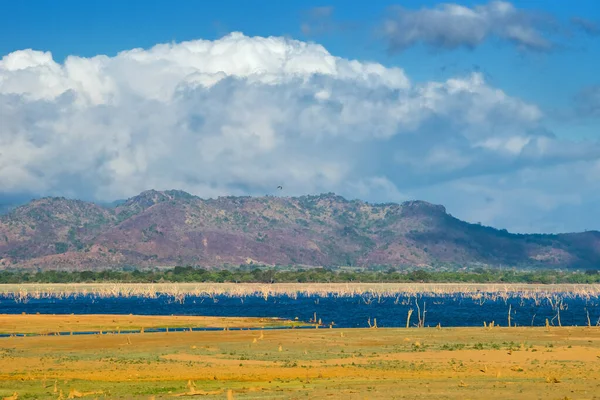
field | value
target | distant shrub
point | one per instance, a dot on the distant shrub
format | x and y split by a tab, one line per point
61	247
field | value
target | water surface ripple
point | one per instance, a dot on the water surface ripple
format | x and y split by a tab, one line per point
345	312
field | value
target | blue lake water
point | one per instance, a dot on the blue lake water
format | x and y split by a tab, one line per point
345	312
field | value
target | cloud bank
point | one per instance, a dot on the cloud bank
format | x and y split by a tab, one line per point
242	115
451	26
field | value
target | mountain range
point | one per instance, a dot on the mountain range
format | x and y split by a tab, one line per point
167	228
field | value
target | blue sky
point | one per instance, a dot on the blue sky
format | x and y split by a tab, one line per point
70	27
533	173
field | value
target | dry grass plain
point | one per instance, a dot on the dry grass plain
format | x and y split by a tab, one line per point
416	363
46	324
34	290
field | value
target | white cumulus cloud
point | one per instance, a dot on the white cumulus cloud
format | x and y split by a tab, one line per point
242	115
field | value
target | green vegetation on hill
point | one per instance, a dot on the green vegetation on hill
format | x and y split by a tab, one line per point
270	275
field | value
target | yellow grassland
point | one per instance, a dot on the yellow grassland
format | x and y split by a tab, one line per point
49	324
391	363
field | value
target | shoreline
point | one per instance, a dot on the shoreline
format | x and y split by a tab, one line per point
33	290
35	325
78	324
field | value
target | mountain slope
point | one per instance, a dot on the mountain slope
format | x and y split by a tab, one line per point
175	228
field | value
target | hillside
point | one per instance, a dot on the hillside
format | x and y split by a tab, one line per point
175	228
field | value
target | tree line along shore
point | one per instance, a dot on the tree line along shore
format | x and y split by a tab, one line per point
312	275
